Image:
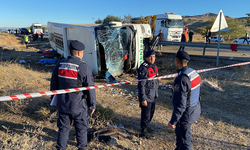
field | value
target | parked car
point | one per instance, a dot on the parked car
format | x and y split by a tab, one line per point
12	31
240	40
216	39
24	31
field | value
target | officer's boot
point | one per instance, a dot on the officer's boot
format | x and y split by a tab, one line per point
146	134
150	130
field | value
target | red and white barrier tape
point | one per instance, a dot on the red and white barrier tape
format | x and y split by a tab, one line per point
48	93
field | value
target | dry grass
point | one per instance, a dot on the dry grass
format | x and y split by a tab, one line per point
9	39
16	79
198	38
28	140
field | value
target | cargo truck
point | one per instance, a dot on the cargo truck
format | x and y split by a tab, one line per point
113	47
169	23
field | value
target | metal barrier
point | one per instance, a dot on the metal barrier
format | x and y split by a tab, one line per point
207	45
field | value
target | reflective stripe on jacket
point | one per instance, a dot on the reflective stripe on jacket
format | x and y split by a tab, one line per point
148	90
195	80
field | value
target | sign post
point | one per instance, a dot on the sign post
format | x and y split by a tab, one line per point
220	24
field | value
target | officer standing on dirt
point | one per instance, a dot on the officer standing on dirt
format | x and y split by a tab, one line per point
186	101
148	92
72	73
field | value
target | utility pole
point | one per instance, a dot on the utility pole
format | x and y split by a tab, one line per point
92	20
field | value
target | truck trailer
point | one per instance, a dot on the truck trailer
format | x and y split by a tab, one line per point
113	47
169	23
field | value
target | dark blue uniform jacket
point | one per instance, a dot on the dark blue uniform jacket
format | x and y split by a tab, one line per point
80	75
148	90
182	113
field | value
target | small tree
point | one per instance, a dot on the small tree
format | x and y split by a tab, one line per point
110	18
44	28
248	20
201	30
99	21
126	19
235	29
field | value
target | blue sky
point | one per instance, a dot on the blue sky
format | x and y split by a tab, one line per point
16	13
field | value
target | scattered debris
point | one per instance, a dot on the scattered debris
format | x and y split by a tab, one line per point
50	65
211	123
132	104
110	78
112	141
110	135
164	87
22	61
46	61
210	84
117	125
235	97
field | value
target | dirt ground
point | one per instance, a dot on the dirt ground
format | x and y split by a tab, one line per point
224	123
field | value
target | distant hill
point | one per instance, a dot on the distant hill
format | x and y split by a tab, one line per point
197	21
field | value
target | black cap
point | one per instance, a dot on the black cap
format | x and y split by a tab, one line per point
149	52
182	55
76	45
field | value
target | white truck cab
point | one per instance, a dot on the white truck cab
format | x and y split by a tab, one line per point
171	26
113	47
37	28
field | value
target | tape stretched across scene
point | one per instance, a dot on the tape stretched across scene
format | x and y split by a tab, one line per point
48	93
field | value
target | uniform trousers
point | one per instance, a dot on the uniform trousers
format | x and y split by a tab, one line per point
81	124
183	136
147	113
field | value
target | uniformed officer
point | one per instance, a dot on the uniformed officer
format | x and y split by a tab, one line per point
72	73
186	102
148	92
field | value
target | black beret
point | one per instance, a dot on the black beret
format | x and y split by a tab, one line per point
182	55
76	45
149	52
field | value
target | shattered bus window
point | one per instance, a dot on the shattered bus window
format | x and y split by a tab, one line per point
115	43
